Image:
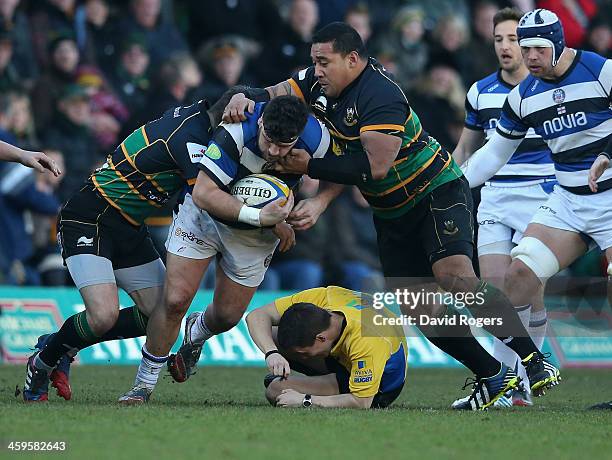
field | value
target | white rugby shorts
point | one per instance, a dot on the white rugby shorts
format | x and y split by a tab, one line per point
245	254
504	212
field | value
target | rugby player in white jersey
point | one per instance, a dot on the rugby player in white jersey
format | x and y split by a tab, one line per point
566	99
511	197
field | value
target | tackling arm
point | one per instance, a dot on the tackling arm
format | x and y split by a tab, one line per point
380	152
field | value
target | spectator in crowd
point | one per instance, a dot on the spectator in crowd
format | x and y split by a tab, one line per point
61	72
439	10
130	76
352	242
176	84
46	257
302	267
108	113
53	17
255	20
9	78
102	34
20	122
22	191
23	60
451	37
333	10
599	38
224	62
574	15
70	133
480	49
291	50
404	45
358	17
162	37
439	98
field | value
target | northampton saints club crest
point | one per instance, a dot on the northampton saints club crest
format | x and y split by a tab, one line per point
350	119
558	96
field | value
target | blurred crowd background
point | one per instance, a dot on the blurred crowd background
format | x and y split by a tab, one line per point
77	76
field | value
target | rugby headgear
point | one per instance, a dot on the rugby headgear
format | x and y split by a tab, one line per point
542	28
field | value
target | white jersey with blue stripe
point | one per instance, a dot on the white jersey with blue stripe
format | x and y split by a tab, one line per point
483	105
233	152
572	113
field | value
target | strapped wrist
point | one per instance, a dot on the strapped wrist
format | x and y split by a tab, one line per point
249	215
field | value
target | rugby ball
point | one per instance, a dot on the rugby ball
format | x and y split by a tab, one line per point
257	190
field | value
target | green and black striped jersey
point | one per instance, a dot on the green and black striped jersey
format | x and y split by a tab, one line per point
374	102
155	162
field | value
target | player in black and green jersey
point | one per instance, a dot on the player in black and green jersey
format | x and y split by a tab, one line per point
421	202
105	243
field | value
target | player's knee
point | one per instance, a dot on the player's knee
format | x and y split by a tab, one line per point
537	260
102	320
177	303
223	317
228	319
450	272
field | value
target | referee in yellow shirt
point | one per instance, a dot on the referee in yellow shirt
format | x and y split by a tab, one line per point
329	335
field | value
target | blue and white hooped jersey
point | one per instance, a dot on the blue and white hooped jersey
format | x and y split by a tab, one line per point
233	152
483	105
573	114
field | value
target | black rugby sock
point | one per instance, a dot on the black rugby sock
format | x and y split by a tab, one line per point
507	325
457	341
130	323
75	334
469	352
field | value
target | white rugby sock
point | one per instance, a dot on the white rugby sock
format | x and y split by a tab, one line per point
199	332
537	327
149	369
524	313
504	354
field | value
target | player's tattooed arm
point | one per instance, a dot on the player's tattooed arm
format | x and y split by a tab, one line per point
283	88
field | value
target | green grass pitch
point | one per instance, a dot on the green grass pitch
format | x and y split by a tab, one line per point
220	413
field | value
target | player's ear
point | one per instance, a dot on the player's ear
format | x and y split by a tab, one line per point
353	59
321	338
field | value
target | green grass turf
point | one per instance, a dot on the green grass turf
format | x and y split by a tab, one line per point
221	414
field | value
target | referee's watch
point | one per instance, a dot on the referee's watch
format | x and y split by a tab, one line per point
307	402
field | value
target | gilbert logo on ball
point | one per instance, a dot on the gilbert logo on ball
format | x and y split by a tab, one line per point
257	190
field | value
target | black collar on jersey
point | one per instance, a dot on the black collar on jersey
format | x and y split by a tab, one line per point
567	72
502	81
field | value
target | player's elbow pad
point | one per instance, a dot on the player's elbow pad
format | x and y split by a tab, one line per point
348	170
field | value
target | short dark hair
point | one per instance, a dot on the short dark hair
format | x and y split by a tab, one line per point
300	325
507	14
284	118
344	38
